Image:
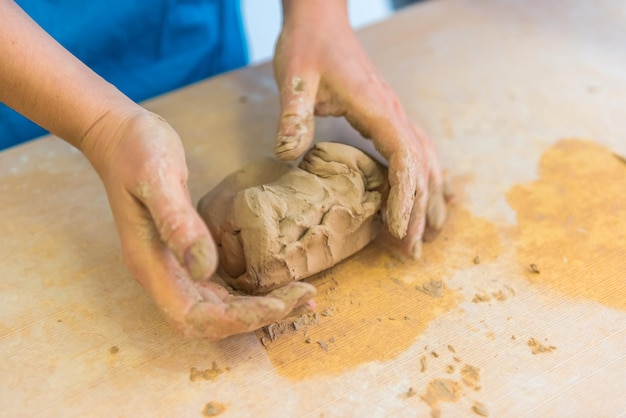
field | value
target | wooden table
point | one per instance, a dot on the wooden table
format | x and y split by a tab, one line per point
517	309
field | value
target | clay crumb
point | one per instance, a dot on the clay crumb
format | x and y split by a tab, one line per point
297	324
441	390
452	350
537	348
620	157
114	350
481	297
477	260
450	368
213	409
308	340
434	354
434	288
323	345
500	295
423	364
480	409
331	340
510	289
593	89
458	360
304	321
470	376
328	312
207	374
275	330
264	343
410	393
534	268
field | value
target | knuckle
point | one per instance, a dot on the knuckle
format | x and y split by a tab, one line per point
195	325
170	226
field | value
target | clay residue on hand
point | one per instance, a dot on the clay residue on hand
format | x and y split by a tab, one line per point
572	223
274	223
296	124
297	85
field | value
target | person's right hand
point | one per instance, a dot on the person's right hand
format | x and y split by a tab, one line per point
166	245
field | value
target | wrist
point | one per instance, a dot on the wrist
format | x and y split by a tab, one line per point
316	13
100	140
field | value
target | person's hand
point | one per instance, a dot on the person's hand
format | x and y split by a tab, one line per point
166	245
321	69
141	162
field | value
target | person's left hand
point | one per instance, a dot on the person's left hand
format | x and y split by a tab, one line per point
321	69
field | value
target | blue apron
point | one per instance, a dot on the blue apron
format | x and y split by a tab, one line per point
144	48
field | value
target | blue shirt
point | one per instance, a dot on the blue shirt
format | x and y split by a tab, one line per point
143	47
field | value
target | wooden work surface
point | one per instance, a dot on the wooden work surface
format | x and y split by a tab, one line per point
526	101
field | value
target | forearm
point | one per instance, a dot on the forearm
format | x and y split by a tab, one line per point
45	83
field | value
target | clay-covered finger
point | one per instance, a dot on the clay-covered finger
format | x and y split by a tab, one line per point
417	222
179	226
246	313
296	123
203	310
428	192
378	115
436	211
294	295
436	205
403	181
217	321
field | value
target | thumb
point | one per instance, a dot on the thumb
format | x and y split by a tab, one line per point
297	123
182	230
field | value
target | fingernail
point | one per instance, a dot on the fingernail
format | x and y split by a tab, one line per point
199	259
295	293
398	225
285	144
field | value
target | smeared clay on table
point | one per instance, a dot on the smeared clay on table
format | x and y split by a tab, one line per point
275	223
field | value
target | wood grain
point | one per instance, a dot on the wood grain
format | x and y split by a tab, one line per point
526	102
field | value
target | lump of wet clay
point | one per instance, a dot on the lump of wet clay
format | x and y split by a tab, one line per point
275	223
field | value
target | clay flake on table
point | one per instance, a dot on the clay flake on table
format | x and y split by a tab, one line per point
275	223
